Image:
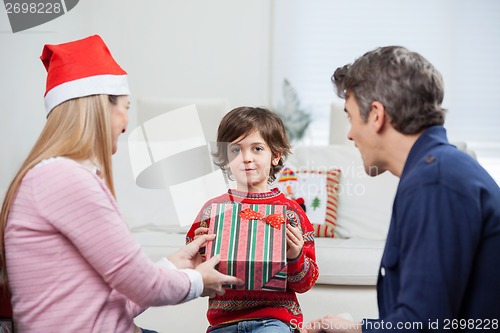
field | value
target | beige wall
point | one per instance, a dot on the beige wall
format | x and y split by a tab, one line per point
172	49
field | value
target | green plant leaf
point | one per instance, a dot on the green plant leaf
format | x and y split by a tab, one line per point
295	118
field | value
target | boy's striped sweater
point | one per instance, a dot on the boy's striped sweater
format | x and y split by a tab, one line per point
238	305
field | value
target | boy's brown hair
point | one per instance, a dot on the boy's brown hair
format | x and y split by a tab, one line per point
243	121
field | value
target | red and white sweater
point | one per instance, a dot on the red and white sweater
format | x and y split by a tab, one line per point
238	305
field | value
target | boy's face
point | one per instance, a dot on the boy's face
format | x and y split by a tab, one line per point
250	160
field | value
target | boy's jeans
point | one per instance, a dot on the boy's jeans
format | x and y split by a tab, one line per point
254	326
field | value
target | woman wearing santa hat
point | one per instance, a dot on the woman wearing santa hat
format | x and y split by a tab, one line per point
66	252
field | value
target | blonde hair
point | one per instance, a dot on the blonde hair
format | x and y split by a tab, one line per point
79	129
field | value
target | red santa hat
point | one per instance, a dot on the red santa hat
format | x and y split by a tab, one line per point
81	68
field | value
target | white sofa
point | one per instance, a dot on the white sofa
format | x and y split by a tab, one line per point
348	265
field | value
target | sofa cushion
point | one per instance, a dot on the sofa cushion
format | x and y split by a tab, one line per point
364	203
353	261
317	192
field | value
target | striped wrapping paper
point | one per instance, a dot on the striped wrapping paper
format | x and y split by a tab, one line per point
252	250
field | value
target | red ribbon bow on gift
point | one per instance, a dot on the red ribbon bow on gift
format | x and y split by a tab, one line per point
274	220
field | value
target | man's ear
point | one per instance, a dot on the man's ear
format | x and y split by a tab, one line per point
377	115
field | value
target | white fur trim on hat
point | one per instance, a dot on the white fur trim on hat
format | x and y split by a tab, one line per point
92	85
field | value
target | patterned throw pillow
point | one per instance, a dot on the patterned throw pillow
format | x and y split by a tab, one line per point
317	192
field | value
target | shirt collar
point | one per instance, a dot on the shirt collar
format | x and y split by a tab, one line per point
247	195
431	137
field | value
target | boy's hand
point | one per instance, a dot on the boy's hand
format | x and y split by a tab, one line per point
294	242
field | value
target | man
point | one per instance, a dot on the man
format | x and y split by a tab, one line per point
440	270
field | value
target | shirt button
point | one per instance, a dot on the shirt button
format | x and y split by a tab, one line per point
429	159
382	271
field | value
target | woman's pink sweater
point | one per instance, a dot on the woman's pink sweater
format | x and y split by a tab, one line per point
71	261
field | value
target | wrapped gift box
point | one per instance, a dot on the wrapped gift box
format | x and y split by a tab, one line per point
251	249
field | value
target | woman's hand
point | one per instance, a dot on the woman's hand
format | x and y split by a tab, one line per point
200	232
189	256
294	242
213	281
